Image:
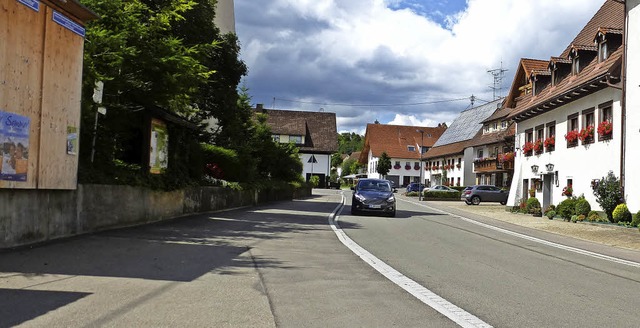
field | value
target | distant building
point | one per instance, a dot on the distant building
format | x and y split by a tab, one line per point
225	18
403	144
450	161
314	133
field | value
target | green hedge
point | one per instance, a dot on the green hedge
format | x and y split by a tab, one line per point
442	194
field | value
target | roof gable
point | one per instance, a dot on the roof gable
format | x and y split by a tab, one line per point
396	139
319	128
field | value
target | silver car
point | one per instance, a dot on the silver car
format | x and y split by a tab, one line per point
484	193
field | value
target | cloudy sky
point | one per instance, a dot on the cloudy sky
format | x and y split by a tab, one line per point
408	62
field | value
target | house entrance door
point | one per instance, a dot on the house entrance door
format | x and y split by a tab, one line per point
547	198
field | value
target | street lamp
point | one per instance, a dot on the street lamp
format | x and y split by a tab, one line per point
421	169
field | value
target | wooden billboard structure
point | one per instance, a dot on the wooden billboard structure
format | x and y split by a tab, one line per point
41	53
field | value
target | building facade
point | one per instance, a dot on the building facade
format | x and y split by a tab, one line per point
632	105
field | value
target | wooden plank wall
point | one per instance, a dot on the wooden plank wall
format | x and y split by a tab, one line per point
21	49
61	92
41	77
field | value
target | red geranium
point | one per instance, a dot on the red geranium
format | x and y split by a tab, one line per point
586	133
528	147
572	136
537	146
550	142
605	128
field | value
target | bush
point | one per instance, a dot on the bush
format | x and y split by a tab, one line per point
412	194
314	180
635	220
533	205
608	194
522	208
550	214
442	194
566	209
550	208
582	207
621	213
574	218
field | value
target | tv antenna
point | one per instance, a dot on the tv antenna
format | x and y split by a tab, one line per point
498	76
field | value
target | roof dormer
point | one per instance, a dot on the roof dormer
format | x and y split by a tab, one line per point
559	68
540	79
607	40
580	57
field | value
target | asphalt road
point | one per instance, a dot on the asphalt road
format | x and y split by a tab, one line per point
504	280
282	265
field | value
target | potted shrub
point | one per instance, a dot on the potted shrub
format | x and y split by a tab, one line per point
537	146
572	136
527	148
586	134
550	143
605	129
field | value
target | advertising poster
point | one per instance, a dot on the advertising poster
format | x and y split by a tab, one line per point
14	146
159	150
72	140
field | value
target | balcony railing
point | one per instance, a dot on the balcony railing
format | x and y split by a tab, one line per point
492	165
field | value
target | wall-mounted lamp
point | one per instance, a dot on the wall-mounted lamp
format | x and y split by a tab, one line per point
534	168
549	167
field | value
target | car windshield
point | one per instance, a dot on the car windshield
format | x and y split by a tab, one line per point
373	185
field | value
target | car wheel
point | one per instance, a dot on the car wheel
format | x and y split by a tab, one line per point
392	214
503	203
475	200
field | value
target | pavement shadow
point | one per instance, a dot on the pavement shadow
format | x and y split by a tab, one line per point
400	213
20	305
177	250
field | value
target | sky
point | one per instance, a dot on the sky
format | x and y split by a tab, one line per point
405	62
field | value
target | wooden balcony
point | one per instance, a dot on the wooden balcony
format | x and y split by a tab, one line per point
492	166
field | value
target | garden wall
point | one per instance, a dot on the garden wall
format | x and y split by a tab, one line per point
33	216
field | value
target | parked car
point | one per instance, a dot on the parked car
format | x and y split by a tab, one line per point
414	186
441	188
484	193
373	195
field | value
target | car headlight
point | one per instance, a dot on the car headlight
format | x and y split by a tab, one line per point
360	197
391	199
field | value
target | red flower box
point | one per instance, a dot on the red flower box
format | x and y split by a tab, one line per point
572	136
527	148
586	134
550	142
605	128
537	146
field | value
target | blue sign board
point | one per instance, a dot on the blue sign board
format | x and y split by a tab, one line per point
33	4
68	23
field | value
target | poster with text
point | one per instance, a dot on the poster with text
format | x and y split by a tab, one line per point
14	146
159	150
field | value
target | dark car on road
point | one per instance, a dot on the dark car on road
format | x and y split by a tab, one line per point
415	187
484	193
373	195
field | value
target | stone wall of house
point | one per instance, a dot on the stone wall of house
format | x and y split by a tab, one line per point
34	216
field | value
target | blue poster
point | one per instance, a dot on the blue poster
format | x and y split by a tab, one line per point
14	146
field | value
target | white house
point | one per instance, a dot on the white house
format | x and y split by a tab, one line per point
404	145
576	102
450	160
314	133
632	104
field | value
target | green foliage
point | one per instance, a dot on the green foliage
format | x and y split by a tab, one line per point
582	206
442	195
350	142
532	205
350	166
226	159
314	181
550	214
621	213
412	194
566	208
384	164
635	222
336	160
522	207
608	194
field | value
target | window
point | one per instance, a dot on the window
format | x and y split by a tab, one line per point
276	137
554	74
407	164
550	141
424	149
411	148
575	65
495	126
588	124
572	130
480	153
295	139
397	163
605	125
486	128
602	51
503	125
460	161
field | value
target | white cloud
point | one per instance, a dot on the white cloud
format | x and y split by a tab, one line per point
363	52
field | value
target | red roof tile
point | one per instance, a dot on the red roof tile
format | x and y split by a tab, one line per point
319	128
395	139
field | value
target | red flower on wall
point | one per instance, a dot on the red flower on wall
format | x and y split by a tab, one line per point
572	136
586	133
605	128
527	148
550	142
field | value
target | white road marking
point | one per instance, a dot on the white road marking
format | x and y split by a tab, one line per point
446	308
534	239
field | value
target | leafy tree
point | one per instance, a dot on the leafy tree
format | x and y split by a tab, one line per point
608	194
336	160
384	164
348	167
350	142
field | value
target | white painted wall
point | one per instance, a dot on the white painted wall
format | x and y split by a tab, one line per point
323	165
465	172
632	155
401	172
581	163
